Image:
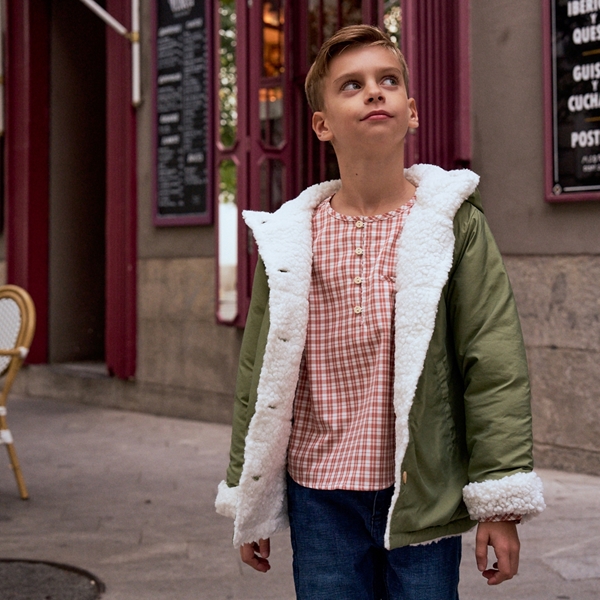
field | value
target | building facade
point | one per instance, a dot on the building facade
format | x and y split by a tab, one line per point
124	223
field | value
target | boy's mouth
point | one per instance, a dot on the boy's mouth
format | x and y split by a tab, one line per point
377	115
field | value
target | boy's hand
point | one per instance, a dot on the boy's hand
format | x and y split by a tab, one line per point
256	555
503	537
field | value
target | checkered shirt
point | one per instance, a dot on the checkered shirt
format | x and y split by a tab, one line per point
343	427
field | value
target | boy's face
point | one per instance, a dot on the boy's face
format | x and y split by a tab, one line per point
365	101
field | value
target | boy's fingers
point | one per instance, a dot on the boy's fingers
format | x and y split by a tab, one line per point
481	550
247	552
515	552
264	547
248	556
503	566
507	553
510	550
503	537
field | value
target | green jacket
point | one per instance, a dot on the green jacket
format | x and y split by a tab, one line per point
461	387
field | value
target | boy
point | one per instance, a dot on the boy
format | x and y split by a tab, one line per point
382	401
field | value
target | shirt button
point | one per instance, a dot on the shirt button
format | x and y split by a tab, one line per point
360	224
358	280
359	251
358	309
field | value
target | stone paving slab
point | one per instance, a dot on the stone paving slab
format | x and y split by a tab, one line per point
129	497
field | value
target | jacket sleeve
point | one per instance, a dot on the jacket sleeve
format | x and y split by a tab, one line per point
249	366
491	357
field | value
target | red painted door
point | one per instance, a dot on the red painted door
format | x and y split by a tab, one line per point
27	177
436	45
27	157
121	203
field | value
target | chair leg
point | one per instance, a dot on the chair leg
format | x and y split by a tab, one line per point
14	461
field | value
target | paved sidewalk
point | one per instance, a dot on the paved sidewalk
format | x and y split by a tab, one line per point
129	497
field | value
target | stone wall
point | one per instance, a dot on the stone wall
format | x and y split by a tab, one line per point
559	305
552	251
180	344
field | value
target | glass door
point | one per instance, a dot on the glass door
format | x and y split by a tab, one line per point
266	152
231	160
319	20
270	104
253	131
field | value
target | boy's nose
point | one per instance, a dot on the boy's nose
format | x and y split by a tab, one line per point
374	92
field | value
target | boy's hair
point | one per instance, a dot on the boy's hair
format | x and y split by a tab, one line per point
353	36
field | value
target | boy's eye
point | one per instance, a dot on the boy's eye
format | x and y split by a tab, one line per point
390	80
351	86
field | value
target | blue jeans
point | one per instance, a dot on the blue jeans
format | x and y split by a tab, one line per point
339	553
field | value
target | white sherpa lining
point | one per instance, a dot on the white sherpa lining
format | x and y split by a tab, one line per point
284	242
226	502
436	540
425	255
519	494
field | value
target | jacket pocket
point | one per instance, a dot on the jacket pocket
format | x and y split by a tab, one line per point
434	463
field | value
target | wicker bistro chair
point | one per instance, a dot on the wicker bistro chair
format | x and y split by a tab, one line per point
17	324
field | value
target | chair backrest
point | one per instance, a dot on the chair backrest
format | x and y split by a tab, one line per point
17	322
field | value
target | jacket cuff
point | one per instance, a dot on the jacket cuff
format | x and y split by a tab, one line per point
518	494
226	502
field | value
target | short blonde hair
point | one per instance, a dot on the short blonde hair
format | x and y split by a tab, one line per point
353	36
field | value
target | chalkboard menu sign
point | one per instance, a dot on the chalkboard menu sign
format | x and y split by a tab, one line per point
182	113
575	65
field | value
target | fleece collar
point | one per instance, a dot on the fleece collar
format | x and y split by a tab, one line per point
283	236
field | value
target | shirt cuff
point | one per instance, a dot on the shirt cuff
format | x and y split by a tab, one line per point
503	519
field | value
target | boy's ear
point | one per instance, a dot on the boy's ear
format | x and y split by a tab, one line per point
413	119
320	126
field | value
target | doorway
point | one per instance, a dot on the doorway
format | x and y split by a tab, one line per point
77	208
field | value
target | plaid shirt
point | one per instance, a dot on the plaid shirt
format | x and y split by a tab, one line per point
343	428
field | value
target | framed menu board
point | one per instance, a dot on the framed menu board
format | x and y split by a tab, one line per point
572	99
182	100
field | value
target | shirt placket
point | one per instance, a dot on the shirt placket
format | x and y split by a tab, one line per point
360	272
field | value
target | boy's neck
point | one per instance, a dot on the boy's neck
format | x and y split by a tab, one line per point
372	185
